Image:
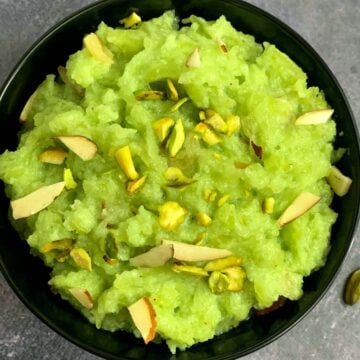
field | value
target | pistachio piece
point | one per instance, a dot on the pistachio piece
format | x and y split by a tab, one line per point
221	264
97	50
352	289
176	139
178	104
210	137
172	92
110	261
70	183
131	20
338	181
162	127
149	95
55	156
59	245
24	115
135	185
176	177
203	219
236	276
268	205
189	269
223	200
210	195
218	282
201	128
222	46
202	115
217	123
194	60
83	297
82	258
233	124
124	159
171	215
216	156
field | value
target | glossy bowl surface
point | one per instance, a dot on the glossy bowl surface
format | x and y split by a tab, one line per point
28	276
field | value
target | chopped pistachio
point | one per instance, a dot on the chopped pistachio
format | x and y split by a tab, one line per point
194	60
172	93
268	205
55	156
233	124
171	215
189	269
218	282
202	115
241	165
221	264
201	128
149	95
229	279
97	50
176	139
176	177
162	127
59	245
210	195
222	46
83	297
135	185
131	20
352	289
223	200
209	113
70	183
82	258
24	115
203	219
178	104
210	137
110	261
217	123
216	156
338	181
124	159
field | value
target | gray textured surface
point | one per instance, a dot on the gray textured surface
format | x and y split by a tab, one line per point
332	330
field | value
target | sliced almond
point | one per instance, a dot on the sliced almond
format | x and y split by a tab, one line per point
97	50
188	252
314	117
36	201
194	60
24	115
338	181
144	317
82	146
303	203
156	256
83	297
55	156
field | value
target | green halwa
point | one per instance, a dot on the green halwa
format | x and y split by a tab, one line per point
233	144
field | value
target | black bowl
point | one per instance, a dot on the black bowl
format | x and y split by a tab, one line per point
28	276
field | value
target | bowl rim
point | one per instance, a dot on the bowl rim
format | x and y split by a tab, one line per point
282	330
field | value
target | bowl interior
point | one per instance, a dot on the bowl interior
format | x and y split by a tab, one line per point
28	276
